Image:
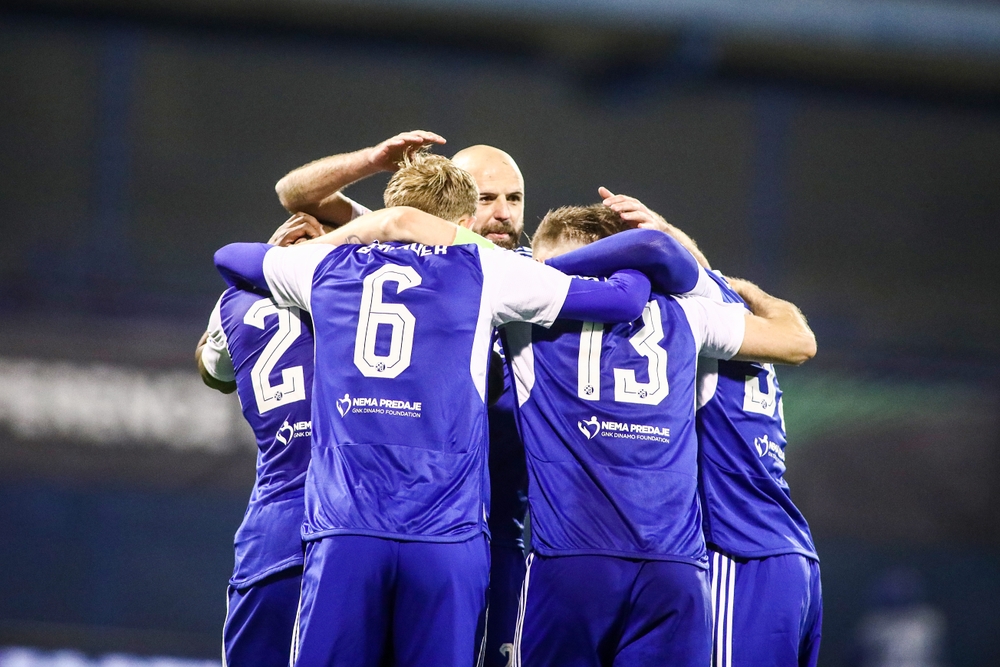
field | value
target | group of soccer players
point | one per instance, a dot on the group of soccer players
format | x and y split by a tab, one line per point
418	383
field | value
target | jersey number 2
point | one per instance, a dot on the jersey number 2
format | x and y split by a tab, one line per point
627	388
293	385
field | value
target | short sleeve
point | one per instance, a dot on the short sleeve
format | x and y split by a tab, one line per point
289	272
215	353
357	210
519	289
718	328
706	287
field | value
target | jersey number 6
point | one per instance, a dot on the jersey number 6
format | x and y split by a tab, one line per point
396	316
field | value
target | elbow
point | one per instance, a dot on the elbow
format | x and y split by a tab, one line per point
396	225
289	195
804	350
282	189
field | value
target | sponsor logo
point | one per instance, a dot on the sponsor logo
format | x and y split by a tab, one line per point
344	405
589	427
377	405
593	427
767	447
296	430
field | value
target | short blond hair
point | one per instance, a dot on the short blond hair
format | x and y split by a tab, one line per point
434	184
584	224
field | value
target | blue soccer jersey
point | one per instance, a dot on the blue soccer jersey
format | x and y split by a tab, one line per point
748	508
508	470
607	417
268	350
402	345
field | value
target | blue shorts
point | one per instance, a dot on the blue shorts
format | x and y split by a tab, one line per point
371	602
506	576
260	620
768	611
601	611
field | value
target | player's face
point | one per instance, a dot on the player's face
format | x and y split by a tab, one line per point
542	252
500	212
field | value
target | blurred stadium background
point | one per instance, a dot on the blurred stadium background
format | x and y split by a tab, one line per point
844	154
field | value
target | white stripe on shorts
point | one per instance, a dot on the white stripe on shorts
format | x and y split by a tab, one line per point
723	592
521	606
293	653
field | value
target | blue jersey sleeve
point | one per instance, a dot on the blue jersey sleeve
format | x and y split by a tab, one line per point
670	268
242	265
619	299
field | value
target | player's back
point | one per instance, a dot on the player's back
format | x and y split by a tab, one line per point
403	340
272	354
607	417
741	430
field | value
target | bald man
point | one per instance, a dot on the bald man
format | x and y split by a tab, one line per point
316	189
500	214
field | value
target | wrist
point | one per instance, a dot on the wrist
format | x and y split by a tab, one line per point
372	161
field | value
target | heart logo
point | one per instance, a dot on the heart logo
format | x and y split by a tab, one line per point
344	405
589	427
280	435
762	444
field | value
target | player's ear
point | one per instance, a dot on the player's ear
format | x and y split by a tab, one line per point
466	221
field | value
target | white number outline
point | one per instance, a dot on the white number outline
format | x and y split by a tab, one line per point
756	401
374	312
293	386
627	388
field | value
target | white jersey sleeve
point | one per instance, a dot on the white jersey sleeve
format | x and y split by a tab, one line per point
357	210
519	289
706	287
215	353
718	328
289	273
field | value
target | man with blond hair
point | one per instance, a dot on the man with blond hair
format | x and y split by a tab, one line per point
396	558
317	189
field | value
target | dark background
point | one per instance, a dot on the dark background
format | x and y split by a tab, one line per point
844	155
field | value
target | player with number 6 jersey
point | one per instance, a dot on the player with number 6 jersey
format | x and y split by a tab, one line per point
402	345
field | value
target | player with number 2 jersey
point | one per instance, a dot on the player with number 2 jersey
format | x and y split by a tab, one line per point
268	351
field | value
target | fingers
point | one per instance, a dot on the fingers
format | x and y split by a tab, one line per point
298	227
416	138
604	193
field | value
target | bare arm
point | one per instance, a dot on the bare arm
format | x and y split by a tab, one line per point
206	377
315	188
638	214
400	223
776	332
